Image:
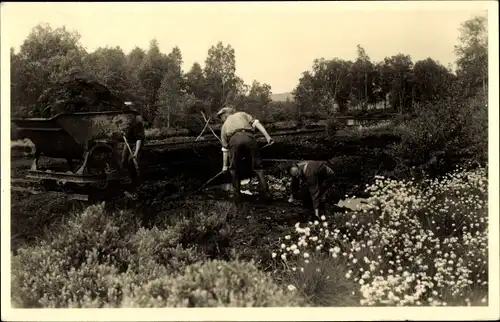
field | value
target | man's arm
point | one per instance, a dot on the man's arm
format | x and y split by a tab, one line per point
262	130
314	191
225	150
294	187
139	134
256	124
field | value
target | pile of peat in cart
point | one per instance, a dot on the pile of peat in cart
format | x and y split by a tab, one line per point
77	95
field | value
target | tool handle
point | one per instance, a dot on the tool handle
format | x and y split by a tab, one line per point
210	180
134	160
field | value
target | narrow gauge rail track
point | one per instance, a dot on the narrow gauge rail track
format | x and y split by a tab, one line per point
183	141
34	186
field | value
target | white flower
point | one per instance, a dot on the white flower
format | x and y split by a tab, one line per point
323	217
306	255
291	288
273	255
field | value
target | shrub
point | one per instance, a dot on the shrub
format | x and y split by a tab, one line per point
212	284
94	258
42	276
443	135
410	244
161	247
198	221
71	265
95	230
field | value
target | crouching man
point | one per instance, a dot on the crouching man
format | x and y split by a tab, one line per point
318	177
238	141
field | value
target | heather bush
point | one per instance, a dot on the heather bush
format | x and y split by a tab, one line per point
93	258
161	247
72	263
95	230
42	276
198	220
411	243
213	284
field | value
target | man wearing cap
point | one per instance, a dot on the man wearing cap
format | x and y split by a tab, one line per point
237	136
317	175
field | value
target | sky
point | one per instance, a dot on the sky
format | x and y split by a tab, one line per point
274	42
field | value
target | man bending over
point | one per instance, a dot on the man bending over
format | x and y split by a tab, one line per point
238	140
318	177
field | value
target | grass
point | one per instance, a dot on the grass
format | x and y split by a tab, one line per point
412	243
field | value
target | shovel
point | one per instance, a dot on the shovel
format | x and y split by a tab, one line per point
187	194
209	181
136	164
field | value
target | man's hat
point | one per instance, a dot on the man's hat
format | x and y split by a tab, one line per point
225	110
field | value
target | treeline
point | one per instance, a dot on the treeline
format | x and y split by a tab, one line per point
168	96
396	83
152	80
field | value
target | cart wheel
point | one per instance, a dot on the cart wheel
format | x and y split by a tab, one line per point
102	161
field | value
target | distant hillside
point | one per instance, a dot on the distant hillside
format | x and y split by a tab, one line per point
281	97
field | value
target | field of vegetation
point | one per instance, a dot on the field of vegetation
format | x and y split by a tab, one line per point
418	235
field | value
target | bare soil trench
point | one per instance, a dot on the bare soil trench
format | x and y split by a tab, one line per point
253	226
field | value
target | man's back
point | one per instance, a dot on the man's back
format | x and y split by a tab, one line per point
310	169
236	121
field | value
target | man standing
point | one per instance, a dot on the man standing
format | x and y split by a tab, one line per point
318	177
238	140
135	137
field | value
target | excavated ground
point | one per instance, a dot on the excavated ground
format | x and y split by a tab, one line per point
253	226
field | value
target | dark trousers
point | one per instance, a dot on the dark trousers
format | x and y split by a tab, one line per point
129	166
244	144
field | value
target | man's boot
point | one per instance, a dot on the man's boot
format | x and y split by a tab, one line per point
263	184
236	185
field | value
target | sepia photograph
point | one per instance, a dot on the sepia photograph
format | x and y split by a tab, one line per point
326	160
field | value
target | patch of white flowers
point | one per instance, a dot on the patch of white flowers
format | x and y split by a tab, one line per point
410	244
